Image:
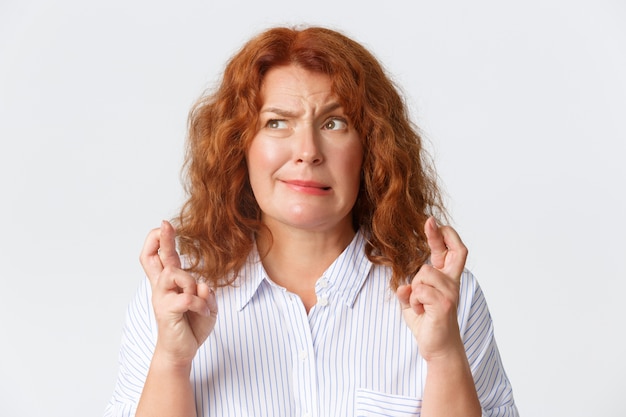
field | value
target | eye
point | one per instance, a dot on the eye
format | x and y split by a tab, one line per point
276	124
335	123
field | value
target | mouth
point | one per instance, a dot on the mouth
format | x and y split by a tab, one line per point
312	185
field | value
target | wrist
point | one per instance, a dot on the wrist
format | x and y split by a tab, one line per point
164	361
167	390
453	358
450	389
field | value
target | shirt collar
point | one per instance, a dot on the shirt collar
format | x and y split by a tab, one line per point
250	278
345	276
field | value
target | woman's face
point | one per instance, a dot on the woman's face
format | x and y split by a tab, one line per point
305	160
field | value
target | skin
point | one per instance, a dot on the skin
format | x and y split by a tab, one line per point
186	313
429	306
304	165
305	168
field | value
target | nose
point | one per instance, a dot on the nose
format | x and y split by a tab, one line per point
307	146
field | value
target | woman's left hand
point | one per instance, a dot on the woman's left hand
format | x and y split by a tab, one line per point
429	303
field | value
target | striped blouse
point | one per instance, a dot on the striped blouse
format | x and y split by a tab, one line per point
351	355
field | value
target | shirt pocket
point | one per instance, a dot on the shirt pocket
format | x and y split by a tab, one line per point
373	403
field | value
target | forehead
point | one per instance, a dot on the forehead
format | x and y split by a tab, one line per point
293	83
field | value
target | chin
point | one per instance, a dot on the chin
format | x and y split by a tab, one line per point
318	222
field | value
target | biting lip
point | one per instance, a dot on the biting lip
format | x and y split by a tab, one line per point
304	185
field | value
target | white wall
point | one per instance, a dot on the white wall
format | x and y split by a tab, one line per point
524	105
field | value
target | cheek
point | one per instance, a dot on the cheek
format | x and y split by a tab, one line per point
352	163
263	156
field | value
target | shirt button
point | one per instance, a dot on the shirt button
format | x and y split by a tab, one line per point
323	283
322	301
303	355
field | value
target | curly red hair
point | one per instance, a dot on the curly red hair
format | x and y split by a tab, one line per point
218	222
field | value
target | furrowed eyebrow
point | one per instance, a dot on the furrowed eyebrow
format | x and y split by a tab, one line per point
288	113
278	111
330	107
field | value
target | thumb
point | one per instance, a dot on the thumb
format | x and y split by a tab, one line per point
208	295
167	246
404	293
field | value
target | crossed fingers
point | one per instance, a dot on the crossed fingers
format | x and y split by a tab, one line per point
159	251
448	253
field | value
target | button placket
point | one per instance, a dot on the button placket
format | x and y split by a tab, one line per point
322	301
321	291
304	371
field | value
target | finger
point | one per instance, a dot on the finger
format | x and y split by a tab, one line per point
433	277
431	286
404	293
436	243
203	323
167	250
179	291
457	252
208	295
201	300
406	297
185	302
149	257
173	279
425	296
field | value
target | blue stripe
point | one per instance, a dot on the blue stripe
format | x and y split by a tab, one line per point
361	357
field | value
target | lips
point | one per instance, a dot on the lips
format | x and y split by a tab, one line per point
308	186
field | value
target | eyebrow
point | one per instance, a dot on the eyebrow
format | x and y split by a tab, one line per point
288	113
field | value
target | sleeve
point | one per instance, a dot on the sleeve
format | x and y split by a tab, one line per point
137	347
492	384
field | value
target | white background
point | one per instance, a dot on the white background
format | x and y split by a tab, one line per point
523	105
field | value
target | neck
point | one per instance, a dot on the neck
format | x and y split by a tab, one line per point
295	259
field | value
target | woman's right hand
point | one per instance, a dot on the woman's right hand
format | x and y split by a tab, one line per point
186	311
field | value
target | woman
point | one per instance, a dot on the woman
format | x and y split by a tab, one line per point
309	205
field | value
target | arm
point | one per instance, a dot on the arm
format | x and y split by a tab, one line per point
185	313
450	389
167	390
429	306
